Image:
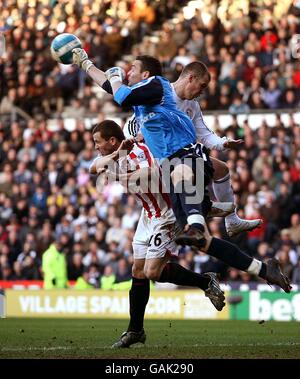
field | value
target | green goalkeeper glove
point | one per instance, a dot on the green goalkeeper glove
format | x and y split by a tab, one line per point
115	74
81	59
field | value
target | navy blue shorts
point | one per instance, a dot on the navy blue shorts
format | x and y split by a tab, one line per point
193	151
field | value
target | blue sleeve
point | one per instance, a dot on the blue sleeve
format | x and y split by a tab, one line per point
147	92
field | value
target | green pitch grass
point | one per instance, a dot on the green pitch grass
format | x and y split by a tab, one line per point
61	338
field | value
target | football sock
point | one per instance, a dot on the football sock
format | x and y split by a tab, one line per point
236	258
255	267
263	271
174	273
224	193
223	190
138	299
229	253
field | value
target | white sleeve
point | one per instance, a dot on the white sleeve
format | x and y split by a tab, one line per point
131	127
205	135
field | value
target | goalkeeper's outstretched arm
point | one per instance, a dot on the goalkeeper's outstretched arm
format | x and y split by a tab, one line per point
81	59
114	75
97	75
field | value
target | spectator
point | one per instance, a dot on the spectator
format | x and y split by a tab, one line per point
271	95
250	68
83	282
257	167
284	260
130	218
54	267
182	58
270	212
238	106
290	99
295	169
296	274
108	279
53	101
294	230
123	272
115	232
6	273
286	205
166	49
264	251
75	267
256	101
95	256
195	44
180	34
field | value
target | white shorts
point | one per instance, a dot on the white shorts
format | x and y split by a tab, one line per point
154	238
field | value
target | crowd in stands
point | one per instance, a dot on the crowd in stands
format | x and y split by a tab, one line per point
33	80
46	192
250	48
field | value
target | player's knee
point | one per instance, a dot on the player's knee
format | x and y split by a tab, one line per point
180	173
151	273
138	272
221	169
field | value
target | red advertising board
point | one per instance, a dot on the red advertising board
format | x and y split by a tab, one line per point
25	284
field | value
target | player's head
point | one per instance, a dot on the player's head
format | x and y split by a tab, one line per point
107	136
142	68
195	78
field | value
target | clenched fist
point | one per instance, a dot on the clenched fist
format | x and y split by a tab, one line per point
115	74
81	59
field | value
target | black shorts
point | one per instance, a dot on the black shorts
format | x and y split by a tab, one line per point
194	152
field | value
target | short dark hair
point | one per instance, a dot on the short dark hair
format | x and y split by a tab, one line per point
198	68
150	64
108	129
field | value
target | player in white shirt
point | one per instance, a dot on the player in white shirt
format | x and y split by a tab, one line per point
192	81
190	84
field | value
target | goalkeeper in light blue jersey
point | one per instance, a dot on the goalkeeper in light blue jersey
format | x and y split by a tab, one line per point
168	132
165	128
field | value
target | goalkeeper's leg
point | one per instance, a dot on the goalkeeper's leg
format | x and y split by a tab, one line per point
229	253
